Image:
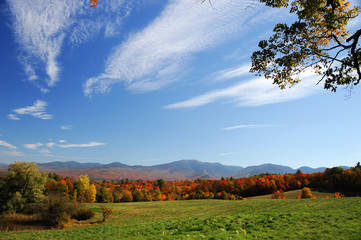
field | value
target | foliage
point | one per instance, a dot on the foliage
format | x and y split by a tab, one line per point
86	191
318	40
278	195
104	196
106	212
338	195
23	184
83	214
55	210
227	189
93	3
57	187
307	193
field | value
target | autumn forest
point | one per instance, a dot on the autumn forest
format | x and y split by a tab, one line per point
127	190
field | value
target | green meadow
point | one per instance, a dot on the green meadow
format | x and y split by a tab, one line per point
334	218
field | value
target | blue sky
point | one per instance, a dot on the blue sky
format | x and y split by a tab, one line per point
150	82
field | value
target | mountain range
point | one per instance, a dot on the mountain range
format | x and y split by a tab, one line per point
178	170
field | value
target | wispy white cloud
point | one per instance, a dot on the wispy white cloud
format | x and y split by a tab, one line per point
44	150
13	153
255	92
91	144
239	126
32	146
41	27
66	127
157	55
248	126
8	145
226	154
67	157
231	73
37	110
50	144
13	117
29	70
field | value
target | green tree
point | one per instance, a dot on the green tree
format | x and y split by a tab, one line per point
318	40
22	185
104	196
159	183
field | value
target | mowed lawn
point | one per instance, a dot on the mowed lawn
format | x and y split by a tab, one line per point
216	219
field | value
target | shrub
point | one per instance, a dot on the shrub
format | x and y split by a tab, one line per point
56	210
338	195
307	193
106	212
277	195
83	214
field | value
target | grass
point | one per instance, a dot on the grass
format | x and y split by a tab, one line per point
317	192
216	219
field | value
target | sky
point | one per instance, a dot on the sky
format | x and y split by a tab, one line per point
152	81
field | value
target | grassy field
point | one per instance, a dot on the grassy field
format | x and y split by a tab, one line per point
317	192
216	219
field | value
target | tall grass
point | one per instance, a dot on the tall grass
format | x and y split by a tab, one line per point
19	222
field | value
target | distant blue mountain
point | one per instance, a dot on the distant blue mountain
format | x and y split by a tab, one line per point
305	169
182	169
70	165
2	165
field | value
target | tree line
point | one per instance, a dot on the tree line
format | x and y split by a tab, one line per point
24	184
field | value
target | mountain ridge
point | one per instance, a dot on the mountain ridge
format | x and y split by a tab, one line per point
185	169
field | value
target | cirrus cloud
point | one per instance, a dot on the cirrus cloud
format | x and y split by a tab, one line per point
66	127
8	145
13	153
254	92
156	56
42	27
32	146
36	110
90	144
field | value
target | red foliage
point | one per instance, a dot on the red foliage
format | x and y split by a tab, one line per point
145	190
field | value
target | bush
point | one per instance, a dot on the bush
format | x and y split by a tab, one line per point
83	214
338	195
106	212
307	193
277	195
56	210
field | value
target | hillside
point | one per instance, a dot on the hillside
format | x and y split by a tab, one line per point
178	170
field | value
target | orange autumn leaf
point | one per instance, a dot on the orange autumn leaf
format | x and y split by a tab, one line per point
93	3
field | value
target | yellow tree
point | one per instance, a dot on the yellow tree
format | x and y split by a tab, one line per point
92	193
86	192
